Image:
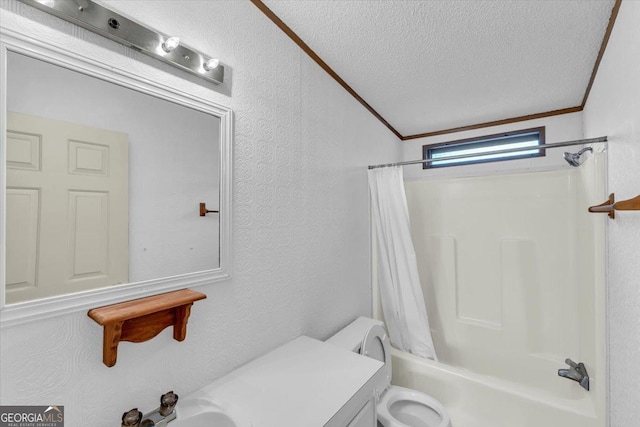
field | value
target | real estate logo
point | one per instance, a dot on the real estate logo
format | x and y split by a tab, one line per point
32	416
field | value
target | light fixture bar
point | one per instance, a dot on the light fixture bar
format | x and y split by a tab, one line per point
116	27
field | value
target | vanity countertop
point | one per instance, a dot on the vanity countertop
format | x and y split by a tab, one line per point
305	382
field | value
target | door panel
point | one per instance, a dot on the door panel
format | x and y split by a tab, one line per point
23	151
86	158
88	234
22	237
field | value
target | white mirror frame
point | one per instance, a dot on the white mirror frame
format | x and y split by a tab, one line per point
21	35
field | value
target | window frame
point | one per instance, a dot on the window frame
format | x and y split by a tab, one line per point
427	148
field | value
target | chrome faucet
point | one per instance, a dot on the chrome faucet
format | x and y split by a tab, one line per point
576	372
159	417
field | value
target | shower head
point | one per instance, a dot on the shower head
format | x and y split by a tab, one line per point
574	158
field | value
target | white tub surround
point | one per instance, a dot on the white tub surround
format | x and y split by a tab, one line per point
512	270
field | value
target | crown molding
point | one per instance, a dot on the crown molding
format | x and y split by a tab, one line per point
603	47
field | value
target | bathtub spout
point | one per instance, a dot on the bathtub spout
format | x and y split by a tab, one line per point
576	372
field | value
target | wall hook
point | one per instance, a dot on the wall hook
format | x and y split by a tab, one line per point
204	210
606	207
611	206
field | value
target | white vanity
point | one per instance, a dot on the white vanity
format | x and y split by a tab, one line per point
304	383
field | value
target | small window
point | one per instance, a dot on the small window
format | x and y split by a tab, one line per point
484	147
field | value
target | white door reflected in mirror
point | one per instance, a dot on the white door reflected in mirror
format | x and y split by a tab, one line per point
67	200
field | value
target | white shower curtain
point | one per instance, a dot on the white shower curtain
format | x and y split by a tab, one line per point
400	291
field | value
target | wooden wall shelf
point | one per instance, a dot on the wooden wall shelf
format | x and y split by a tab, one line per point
142	319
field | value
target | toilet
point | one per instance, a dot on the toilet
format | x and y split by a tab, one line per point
397	406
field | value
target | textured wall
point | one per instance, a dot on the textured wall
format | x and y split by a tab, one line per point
300	225
613	109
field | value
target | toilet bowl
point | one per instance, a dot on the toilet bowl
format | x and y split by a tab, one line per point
400	407
396	406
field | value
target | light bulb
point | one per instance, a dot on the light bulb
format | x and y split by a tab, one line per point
211	64
170	44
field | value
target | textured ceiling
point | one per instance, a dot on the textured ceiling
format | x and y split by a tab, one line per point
431	65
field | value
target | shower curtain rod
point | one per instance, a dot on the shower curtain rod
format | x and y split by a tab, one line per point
510	150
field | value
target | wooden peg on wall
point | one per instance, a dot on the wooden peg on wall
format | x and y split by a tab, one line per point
204	211
611	206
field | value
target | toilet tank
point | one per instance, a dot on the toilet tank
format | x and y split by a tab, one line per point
352	335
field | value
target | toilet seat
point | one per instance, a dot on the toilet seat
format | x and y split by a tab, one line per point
403	407
399	406
376	345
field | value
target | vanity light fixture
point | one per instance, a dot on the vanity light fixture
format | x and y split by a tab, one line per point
101	20
211	64
170	44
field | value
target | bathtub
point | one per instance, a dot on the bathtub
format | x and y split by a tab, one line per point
475	400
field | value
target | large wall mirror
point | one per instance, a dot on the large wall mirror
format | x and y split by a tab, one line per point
103	176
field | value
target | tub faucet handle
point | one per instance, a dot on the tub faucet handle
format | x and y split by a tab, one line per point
576	372
579	367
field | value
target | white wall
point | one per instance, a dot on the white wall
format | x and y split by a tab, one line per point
566	127
300	225
613	109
